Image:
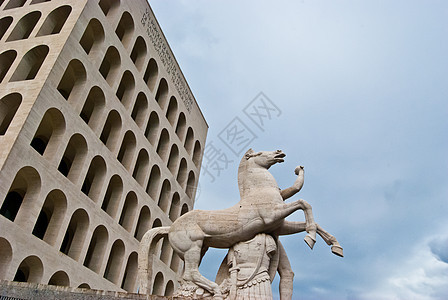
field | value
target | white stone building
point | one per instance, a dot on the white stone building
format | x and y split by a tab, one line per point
100	140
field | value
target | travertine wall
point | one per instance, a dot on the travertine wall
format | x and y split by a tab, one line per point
100	140
27	291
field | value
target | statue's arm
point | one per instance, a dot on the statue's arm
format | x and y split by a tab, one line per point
296	187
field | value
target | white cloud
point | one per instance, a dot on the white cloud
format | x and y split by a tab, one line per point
362	86
422	276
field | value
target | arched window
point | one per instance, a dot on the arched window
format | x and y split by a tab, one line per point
175	262
138	53
182	173
115	262
162	93
29	270
94	179
6	60
4	25
9	105
50	217
173	159
93	107
140	110
30	64
113	196
125	90
110	65
191	185
152	128
25	26
156	244
12	204
163	145
14	4
197	153
127	150
38	1
143	223
108	6
184	210
171	112
169	290
47	136
111	130
60	278
130	274
151	74
158	286
175	207
55	21
153	182
72	161
19	200
141	167
165	196
129	211
92	37
188	145
97	247
157	223
5	256
75	234
166	252
125	28
181	126
73	79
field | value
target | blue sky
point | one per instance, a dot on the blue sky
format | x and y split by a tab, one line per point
361	90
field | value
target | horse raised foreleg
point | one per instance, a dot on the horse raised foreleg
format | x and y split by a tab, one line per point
331	241
310	238
285	209
289	227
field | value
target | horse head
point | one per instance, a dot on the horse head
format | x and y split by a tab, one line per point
252	159
264	158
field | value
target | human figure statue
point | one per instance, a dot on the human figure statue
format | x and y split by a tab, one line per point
261	209
248	263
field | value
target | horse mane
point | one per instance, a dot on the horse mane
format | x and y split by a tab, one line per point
242	168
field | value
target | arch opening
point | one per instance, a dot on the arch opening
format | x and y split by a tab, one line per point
9	105
55	21
31	63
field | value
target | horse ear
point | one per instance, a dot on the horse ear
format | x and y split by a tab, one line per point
249	153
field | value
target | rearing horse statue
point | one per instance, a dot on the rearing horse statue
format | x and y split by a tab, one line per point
261	210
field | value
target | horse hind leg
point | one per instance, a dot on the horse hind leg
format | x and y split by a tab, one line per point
192	258
331	241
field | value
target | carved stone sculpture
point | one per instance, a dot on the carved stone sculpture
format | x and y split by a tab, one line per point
261	210
249	268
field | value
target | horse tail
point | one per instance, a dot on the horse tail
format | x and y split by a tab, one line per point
145	252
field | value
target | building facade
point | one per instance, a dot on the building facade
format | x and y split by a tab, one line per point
101	139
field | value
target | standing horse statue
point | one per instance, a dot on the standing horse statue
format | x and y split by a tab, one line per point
261	210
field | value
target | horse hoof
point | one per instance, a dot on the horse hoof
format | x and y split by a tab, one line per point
337	250
310	241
